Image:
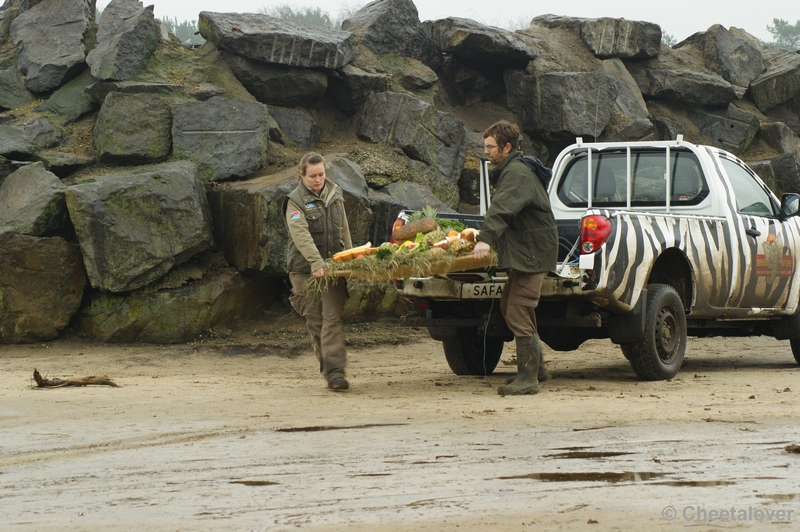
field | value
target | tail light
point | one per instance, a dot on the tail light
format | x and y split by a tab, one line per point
594	233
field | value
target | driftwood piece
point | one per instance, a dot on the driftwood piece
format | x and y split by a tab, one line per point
41	382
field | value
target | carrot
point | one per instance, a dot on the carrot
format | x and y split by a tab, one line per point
349	254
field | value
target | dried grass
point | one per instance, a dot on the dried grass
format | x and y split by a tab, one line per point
399	265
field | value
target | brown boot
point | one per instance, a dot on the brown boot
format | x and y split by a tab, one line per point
526	382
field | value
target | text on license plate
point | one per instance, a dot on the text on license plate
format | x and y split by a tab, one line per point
481	290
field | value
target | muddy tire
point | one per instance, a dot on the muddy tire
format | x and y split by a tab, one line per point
795	342
465	354
659	355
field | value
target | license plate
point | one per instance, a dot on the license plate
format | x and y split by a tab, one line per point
481	290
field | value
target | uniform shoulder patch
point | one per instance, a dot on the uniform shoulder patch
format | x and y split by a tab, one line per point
295	215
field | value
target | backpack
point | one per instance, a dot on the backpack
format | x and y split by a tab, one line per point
537	167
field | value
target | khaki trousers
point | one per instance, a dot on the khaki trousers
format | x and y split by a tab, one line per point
323	314
519	301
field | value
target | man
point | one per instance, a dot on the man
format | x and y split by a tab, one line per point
521	226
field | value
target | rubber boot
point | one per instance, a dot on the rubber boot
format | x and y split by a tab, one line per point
528	355
544	373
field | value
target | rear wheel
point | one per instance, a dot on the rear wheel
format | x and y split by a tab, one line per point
795	342
659	354
465	353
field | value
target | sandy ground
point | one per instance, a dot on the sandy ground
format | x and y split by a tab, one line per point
236	431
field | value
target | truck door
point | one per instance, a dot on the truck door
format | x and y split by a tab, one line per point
765	245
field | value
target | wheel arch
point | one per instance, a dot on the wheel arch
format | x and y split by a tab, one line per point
672	267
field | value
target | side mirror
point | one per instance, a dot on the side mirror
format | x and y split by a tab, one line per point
790	204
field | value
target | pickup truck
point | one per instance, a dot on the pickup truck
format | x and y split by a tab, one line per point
658	241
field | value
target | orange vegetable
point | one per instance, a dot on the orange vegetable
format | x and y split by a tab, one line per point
349	254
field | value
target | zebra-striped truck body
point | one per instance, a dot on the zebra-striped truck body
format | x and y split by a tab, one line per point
659	241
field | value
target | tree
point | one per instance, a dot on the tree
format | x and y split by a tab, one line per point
310	16
786	35
313	16
185	31
668	39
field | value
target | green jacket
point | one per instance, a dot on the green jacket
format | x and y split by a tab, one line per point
317	227
519	223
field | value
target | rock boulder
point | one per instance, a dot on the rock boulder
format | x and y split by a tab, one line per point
126	38
132	129
32	201
248	220
393	27
49	38
225	138
28	138
271	40
41	286
134	227
478	43
610	37
13	92
735	59
174	315
779	83
279	84
423	133
562	105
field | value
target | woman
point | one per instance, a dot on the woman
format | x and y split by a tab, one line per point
317	224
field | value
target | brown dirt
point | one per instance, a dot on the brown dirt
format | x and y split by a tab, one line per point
236	431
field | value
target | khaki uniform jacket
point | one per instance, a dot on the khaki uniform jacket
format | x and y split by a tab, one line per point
519	222
317	226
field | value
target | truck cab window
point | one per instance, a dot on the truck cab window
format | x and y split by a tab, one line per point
751	198
648	183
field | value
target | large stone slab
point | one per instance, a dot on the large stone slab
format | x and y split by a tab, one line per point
98	91
731	129
466	83
297	125
32	201
415	196
278	84
126	38
13	92
688	87
28	138
629	115
41	286
248	221
62	163
175	315
133	227
49	38
225	138
350	86
561	105
681	75
476	42
734	58
610	37
271	40
132	129
393	27
422	132
779	83
70	102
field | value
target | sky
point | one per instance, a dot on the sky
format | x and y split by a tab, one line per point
679	18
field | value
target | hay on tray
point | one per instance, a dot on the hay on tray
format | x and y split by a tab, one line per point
398	265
